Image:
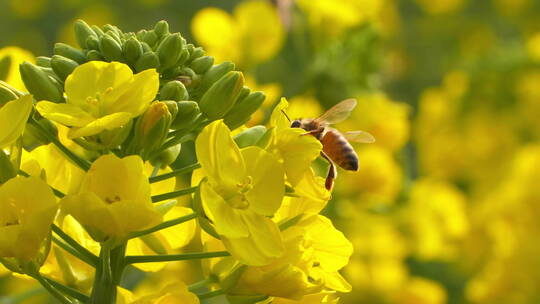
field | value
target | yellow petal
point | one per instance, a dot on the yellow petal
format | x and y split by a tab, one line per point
13	117
138	96
227	220
95	77
268	181
109	122
67	114
219	155
278	119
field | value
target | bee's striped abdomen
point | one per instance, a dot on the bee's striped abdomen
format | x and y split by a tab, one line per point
339	150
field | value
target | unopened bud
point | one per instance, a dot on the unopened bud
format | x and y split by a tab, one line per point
173	90
6	95
213	75
110	48
169	50
166	157
152	128
82	32
94	55
243	109
188	112
63	66
69	52
40	84
250	137
202	64
147	61
220	97
161	28
43	61
92	43
150	37
196	53
132	50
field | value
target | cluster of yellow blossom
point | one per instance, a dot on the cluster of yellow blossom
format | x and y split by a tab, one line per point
89	145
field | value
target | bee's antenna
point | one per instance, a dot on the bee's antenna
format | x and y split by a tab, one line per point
284	113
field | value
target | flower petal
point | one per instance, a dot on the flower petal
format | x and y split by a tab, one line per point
268	179
227	220
67	114
109	122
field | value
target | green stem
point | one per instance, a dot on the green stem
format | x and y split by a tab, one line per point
81	163
132	259
170	195
211	294
53	291
163	225
200	284
174	173
108	274
73	252
68	290
84	253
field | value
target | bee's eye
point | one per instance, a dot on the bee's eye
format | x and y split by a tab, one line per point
295	124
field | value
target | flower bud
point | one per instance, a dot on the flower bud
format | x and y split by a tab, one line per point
173	108
161	28
196	53
40	84
220	97
250	137
69	52
202	64
42	61
63	66
242	110
94	55
213	75
169	50
147	61
82	32
188	112
173	90
7	171
92	43
152	128
132	50
110	48
166	157
150	38
6	95
97	30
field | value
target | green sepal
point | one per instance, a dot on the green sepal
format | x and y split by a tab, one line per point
243	109
161	28
43	61
173	90
213	75
188	112
132	50
250	137
202	64
169	50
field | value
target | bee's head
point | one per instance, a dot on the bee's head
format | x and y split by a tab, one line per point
296	123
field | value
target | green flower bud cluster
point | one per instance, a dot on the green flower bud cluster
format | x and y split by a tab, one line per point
204	91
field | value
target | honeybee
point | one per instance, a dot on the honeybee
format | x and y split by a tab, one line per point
336	146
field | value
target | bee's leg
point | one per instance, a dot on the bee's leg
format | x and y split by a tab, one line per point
332	172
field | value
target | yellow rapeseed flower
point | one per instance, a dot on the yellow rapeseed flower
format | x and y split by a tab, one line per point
254	29
102	96
294	149
28	208
15	56
113	193
176	292
13	117
243	187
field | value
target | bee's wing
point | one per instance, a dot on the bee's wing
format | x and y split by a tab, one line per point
338	113
359	137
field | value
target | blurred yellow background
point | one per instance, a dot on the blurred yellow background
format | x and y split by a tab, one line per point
445	206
